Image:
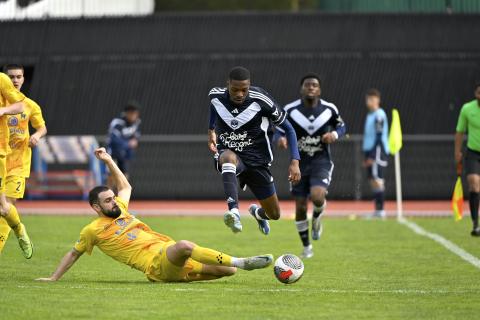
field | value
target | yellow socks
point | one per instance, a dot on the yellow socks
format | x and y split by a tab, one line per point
210	256
4	232
13	220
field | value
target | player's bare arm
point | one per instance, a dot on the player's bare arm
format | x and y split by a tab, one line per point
67	262
35	138
120	181
294	174
212	140
14	108
458	147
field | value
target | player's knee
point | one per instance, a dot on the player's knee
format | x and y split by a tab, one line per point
228	157
185	247
318	198
274	214
11	200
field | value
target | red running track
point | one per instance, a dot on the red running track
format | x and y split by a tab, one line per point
217	208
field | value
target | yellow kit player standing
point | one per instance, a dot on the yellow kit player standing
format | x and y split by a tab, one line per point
11	102
19	159
128	240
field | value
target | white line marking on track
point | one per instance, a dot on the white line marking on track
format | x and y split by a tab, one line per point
452	247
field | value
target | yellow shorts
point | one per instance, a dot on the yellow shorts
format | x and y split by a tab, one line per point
3	173
15	187
163	270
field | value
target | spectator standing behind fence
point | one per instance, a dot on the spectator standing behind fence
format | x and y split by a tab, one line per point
375	148
469	122
123	134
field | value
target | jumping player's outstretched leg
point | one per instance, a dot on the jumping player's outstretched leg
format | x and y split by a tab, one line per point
217	264
228	162
269	210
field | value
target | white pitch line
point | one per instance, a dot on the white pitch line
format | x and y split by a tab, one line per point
452	247
293	290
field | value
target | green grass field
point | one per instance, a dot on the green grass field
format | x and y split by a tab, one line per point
361	270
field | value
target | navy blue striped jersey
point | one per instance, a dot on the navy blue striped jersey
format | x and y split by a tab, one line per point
245	129
310	123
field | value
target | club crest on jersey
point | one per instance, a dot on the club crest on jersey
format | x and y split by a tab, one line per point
12	121
234	123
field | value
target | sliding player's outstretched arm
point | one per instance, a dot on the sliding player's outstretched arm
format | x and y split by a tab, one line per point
120	181
68	260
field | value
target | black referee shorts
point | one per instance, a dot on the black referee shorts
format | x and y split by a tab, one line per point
472	162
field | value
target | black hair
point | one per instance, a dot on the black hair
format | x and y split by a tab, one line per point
93	194
239	73
372	92
132	105
12	66
311	75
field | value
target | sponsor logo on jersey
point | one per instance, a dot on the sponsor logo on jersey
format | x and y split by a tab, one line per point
236	141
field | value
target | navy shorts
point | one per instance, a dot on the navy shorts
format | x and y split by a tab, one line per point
472	162
319	175
258	179
377	170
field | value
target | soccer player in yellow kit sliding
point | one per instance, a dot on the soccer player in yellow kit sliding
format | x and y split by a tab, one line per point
11	102
19	159
126	239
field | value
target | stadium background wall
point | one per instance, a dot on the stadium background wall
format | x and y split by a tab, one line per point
83	71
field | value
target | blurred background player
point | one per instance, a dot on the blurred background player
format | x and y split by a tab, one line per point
241	117
128	240
469	122
19	159
123	134
375	148
317	124
11	102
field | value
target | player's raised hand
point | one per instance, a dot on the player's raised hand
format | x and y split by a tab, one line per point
328	138
294	174
282	143
102	154
212	141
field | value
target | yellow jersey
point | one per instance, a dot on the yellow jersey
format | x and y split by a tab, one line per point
8	95
20	157
125	239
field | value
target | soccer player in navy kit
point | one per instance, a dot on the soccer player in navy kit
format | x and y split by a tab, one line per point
317	124
123	135
241	118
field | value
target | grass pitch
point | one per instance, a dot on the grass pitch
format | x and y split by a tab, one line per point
361	270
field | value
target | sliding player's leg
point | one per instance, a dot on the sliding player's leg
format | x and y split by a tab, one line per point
209	272
230	165
180	252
